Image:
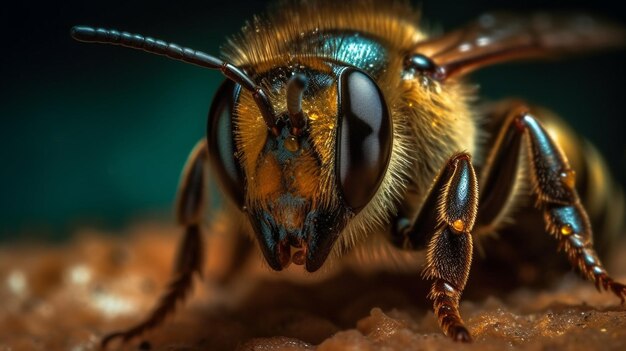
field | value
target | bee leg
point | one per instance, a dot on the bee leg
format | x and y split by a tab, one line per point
553	182
190	255
447	219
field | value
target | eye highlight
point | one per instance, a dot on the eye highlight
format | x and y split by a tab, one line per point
363	139
221	143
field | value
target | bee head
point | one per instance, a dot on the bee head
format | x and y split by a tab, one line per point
302	178
300	150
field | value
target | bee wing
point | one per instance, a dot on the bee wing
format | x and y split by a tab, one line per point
502	37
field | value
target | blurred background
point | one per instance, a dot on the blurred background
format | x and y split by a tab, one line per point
96	136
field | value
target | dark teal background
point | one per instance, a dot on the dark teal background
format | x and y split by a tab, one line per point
95	135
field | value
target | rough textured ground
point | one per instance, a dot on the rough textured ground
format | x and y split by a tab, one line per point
66	297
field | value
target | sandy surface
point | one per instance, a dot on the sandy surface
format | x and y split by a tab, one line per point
68	296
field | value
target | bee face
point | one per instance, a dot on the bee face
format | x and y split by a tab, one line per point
301	183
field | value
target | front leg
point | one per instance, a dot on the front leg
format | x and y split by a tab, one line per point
553	183
189	261
445	223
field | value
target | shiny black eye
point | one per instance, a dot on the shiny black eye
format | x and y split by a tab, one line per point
420	63
423	64
363	139
221	143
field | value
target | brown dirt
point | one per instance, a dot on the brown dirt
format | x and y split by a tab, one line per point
67	297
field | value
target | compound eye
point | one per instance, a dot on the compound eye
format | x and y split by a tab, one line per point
364	138
221	143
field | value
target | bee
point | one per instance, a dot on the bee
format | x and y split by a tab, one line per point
344	127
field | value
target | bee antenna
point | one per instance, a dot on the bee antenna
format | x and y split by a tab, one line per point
295	89
176	52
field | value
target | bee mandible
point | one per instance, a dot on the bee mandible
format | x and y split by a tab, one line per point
340	123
